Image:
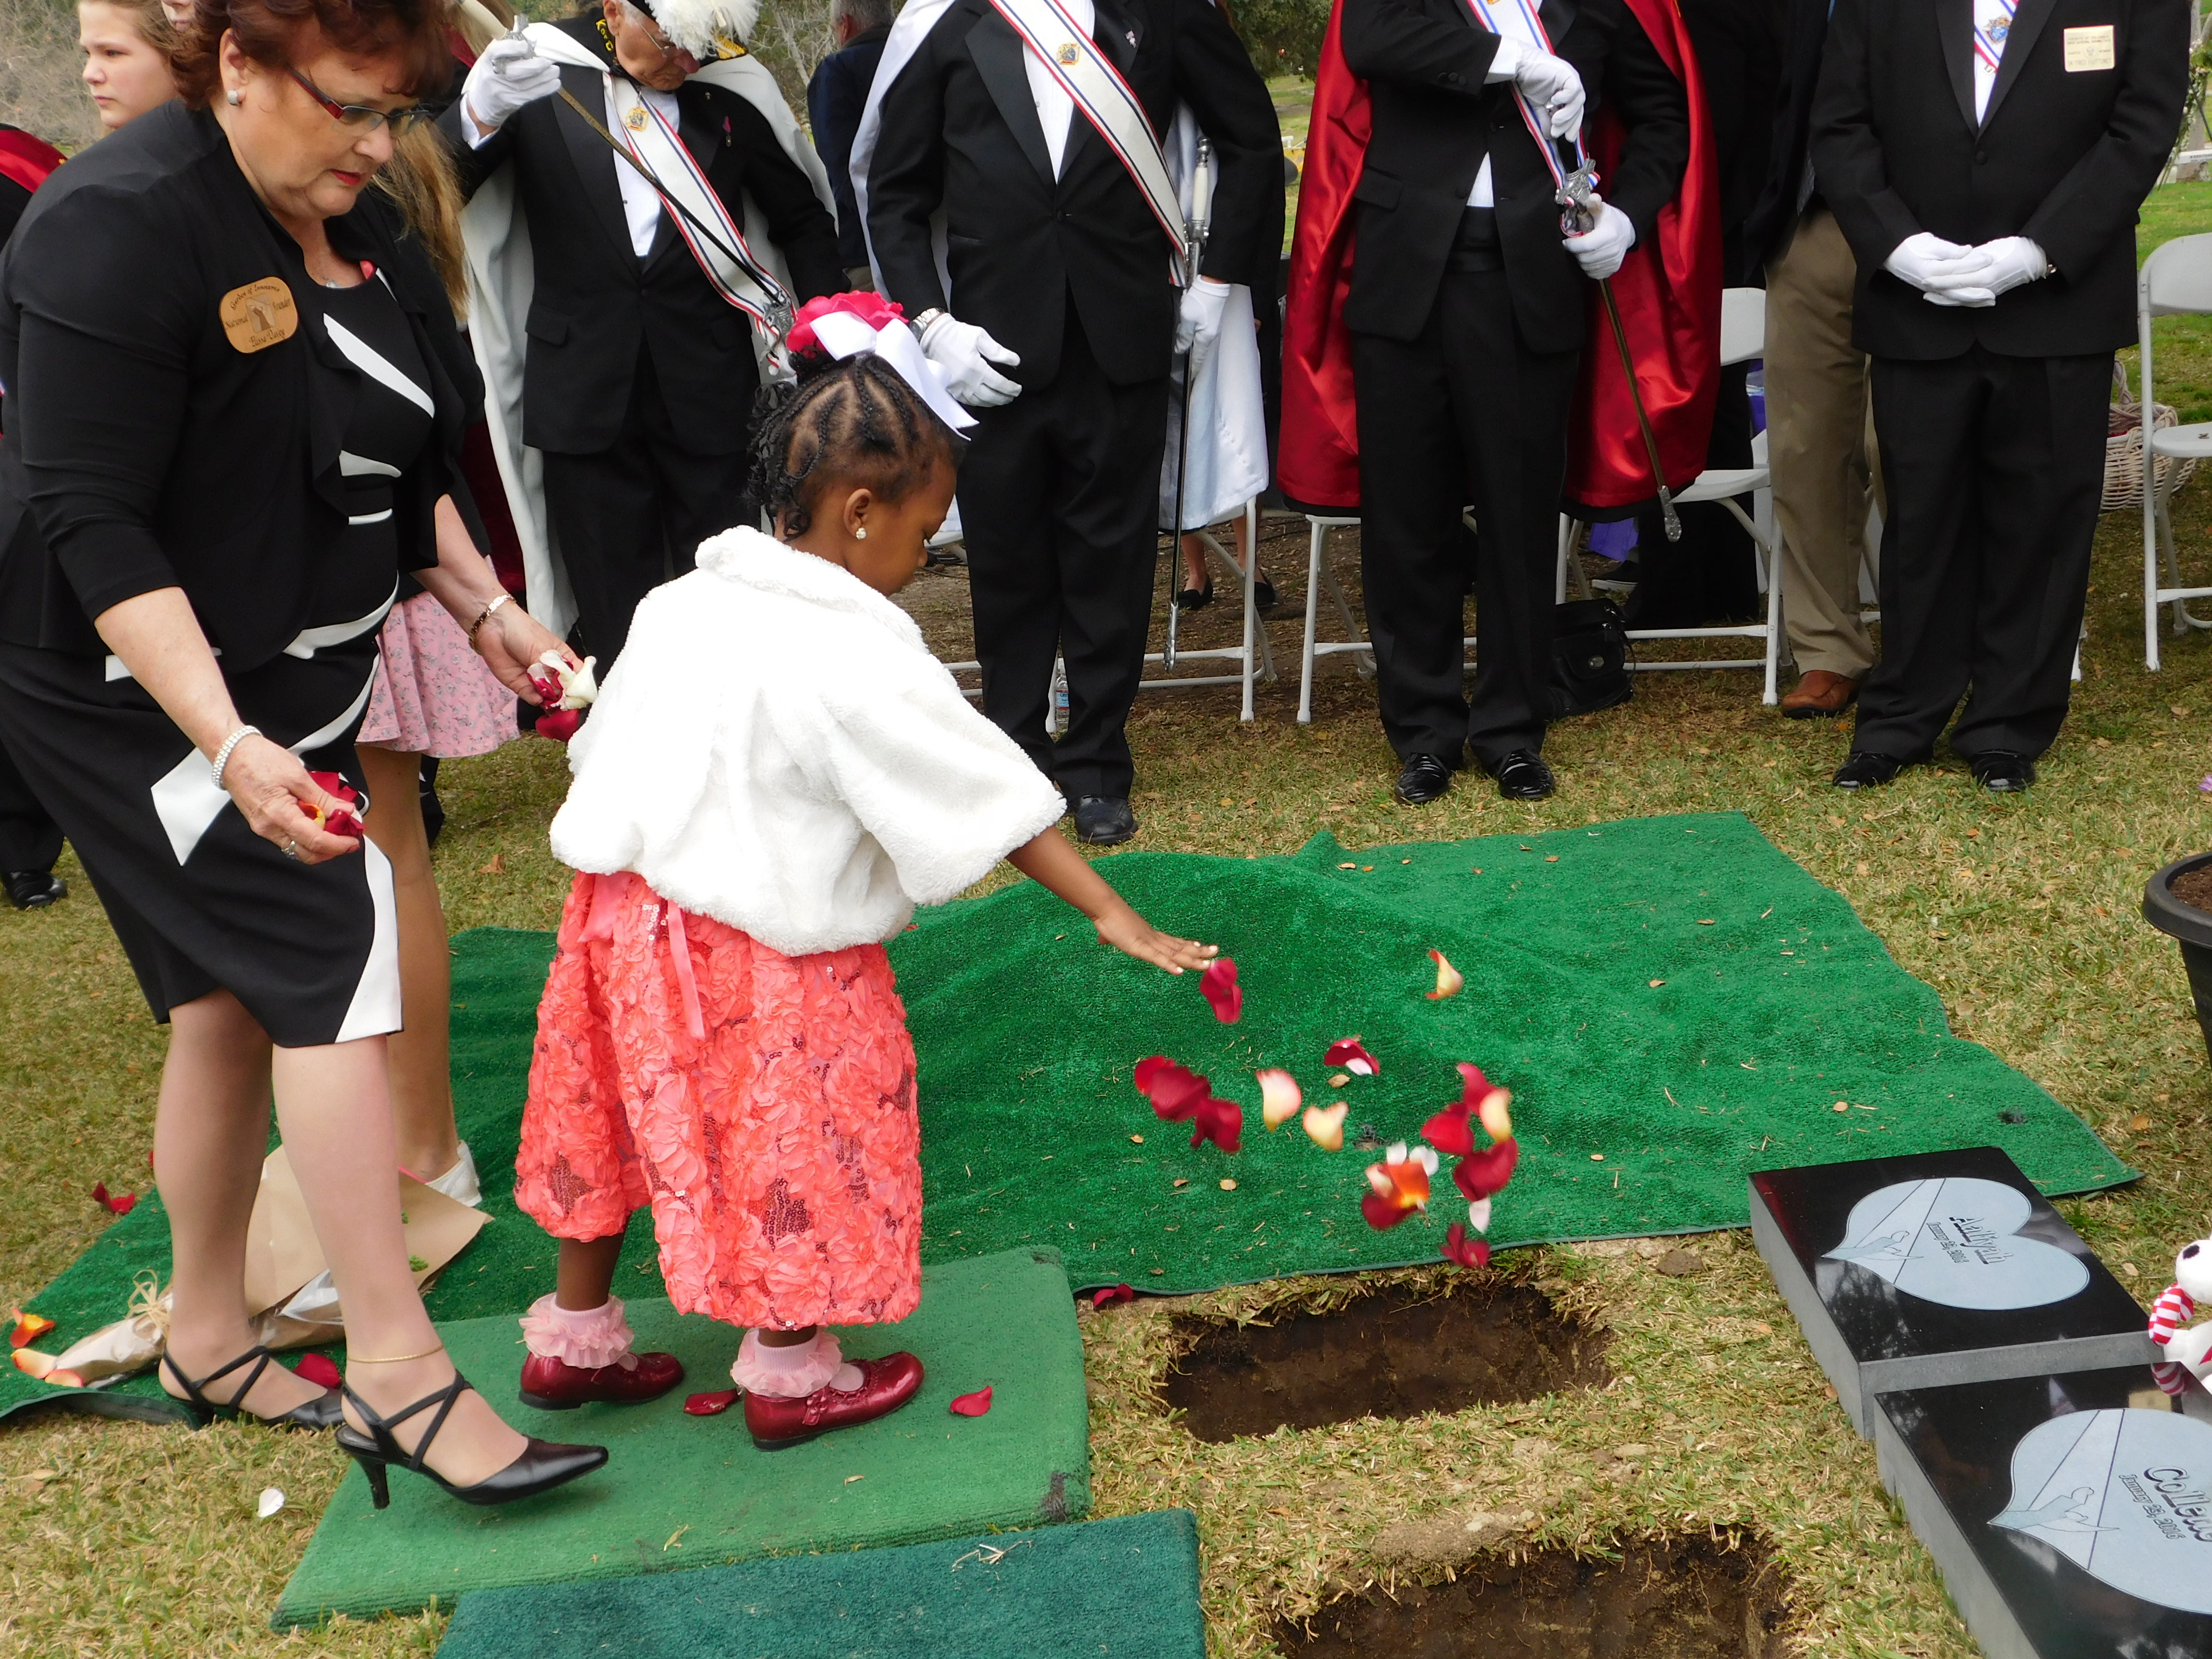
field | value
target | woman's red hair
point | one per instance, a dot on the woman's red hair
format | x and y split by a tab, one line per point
275	32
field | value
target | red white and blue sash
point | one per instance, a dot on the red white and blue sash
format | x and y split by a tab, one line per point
1096	88
1516	20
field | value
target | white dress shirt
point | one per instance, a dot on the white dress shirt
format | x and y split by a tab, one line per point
641	202
1501	67
1054	108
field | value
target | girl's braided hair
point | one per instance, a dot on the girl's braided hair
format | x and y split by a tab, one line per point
851	420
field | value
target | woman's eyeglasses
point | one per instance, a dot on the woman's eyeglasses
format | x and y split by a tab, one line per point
361	117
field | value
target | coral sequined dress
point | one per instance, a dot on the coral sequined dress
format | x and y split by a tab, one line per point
762	1104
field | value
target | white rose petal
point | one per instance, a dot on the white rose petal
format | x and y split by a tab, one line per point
272	1501
1478	1215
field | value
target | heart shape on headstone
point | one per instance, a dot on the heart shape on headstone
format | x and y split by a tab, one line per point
1955	1241
2122	1494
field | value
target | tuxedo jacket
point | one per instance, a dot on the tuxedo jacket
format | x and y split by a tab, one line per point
1774	218
2062	156
960	132
1435	118
596	307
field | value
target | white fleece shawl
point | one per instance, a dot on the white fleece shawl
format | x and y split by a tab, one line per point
777	748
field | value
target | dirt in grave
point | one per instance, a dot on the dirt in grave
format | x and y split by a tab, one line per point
1665	1598
1393	1353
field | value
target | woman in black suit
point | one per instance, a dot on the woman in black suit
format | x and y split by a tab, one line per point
235	403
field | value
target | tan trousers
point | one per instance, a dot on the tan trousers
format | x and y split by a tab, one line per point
1820	445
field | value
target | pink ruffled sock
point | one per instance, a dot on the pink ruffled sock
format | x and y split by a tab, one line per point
793	1372
587	1338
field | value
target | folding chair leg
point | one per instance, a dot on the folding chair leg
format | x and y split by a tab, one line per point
1366	658
1773	562
1314	549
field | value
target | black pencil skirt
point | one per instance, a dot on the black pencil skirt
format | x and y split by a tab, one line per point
199	900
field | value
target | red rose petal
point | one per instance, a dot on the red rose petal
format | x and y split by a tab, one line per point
560	725
1218	982
1466	1252
1220	1122
1106	1295
1382	1214
712	1404
1350	1054
1480	1175
1174	1089
317	1369
972	1405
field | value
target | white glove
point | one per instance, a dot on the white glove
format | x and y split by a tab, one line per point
1600	250
509	74
966	355
1548	82
1198	325
2014	260
1947	272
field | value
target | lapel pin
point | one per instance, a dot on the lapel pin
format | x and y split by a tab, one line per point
1130	35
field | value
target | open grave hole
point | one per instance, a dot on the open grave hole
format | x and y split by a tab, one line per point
1665	1598
1396	1352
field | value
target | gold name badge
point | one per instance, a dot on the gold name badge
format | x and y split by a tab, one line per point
259	315
2089	49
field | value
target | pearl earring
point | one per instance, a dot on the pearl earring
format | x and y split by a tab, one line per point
860	534
234	97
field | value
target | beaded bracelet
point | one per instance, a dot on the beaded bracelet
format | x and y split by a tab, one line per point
484	616
222	755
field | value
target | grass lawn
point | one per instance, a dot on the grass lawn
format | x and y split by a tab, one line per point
125	1539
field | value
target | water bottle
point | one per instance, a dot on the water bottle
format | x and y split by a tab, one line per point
1056	721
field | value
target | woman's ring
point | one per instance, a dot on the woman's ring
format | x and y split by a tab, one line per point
292	849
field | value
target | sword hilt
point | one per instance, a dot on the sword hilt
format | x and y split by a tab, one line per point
1668	517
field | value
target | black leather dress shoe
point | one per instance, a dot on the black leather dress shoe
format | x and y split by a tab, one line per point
1424	778
1522	775
1104	820
1865	770
2002	772
34	889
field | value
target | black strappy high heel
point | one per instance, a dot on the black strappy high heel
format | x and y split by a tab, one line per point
321	1412
542	1466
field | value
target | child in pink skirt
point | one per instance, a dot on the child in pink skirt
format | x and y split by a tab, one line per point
775	775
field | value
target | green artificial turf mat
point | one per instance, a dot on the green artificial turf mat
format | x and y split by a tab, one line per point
1126	1588
1775	1003
692	1492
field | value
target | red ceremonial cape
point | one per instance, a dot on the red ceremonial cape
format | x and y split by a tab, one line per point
26	159
1669	291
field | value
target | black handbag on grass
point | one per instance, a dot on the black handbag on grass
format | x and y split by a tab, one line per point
1590	657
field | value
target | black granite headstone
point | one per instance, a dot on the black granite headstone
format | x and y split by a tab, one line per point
1939	1268
2070	1513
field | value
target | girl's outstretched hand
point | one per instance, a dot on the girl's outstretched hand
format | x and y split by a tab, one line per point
1130	934
1049	860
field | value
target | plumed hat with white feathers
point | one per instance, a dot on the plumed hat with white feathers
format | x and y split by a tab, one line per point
707	29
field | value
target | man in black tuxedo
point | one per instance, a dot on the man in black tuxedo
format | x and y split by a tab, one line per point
1467	312
1062	277
640	379
835	94
1987	166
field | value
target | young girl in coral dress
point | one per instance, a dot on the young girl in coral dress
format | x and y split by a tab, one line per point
775	775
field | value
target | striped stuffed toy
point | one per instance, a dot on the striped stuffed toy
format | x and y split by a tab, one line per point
2188	1352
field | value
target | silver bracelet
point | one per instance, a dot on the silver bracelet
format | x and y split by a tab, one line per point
222	755
484	616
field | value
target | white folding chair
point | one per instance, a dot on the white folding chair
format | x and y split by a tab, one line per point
1743	336
1319	575
1254	657
2176	280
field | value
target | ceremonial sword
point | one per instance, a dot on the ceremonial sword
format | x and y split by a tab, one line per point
1196	228
1576	194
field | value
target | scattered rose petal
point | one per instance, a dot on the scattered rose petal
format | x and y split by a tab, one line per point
560	725
1325	1124
713	1403
121	1203
1182	1180
1227	1185
1656	983
1279	1097
1398	1184
1354	866
1180	1094
1223	993
1450	981
1479	1175
1106	1296
1450	1131
272	1500
32	1363
317	1369
1221	1121
1466	1252
1478	1215
1338	1079
1348	1053
340	820
29	1328
571	688
58	1378
972	1405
